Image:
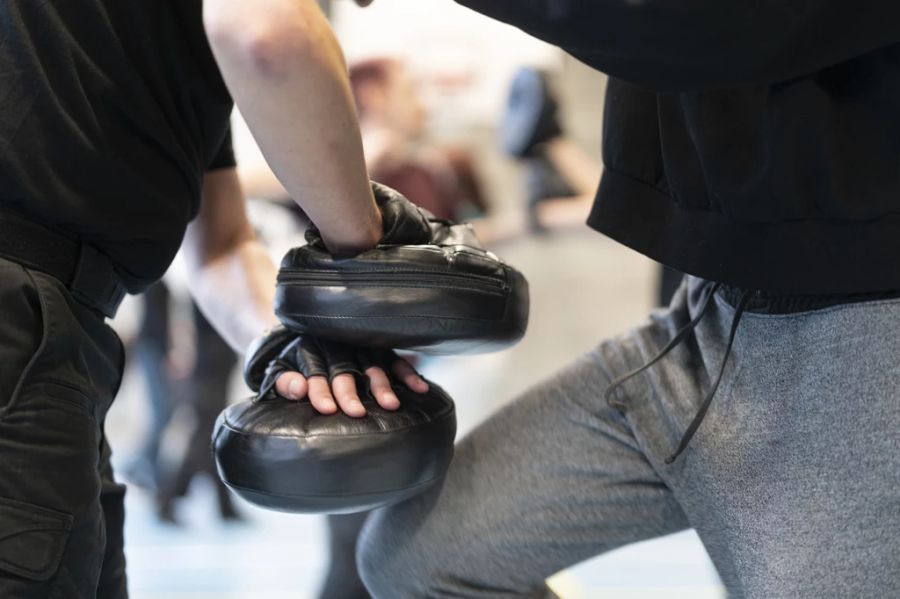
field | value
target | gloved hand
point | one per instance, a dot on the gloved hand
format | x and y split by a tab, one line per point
282	363
403	222
285	455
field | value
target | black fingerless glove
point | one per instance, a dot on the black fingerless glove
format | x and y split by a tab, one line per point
280	350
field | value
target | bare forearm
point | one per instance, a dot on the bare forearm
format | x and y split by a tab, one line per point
235	291
231	275
287	75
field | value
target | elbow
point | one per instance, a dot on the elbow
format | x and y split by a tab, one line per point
271	44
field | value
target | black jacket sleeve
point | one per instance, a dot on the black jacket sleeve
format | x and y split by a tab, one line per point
692	45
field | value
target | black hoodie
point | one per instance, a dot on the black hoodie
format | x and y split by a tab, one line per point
751	143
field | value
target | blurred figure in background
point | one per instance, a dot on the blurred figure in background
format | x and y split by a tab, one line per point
186	379
392	118
179	388
560	178
151	350
205	394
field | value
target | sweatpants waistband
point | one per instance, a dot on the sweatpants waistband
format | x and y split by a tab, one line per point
773	303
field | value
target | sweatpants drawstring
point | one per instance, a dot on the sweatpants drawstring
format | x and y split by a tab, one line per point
679	337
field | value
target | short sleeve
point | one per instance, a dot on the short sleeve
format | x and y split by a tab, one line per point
224	157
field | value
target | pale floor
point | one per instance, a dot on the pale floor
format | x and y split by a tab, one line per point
584	288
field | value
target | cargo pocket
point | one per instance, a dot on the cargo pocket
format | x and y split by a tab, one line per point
25	334
32	539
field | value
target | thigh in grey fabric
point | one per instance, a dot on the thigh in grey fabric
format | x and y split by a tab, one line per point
792	480
553	479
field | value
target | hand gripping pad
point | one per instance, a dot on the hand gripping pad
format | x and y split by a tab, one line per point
283	455
447	296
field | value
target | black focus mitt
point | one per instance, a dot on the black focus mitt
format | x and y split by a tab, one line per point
429	285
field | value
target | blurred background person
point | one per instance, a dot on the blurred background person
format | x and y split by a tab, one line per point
203	395
392	117
560	178
151	350
186	368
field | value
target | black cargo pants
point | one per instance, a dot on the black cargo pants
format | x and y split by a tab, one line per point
61	514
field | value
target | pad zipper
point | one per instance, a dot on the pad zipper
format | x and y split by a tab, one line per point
405	278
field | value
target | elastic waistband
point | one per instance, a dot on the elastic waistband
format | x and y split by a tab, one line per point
85	271
774	303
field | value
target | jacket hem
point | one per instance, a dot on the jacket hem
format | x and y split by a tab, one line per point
794	257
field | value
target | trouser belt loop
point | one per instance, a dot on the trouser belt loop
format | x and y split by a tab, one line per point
96	283
85	271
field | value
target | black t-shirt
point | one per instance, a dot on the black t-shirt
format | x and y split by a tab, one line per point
110	113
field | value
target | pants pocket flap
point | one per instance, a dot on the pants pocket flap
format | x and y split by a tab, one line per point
32	539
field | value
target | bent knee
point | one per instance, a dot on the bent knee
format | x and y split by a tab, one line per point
386	564
407	552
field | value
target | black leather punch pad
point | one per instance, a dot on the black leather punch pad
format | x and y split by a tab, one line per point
283	455
447	297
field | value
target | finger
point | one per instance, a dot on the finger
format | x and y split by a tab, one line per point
344	387
291	385
404	371
320	395
381	389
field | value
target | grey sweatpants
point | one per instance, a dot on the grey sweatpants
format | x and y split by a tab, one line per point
792	481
